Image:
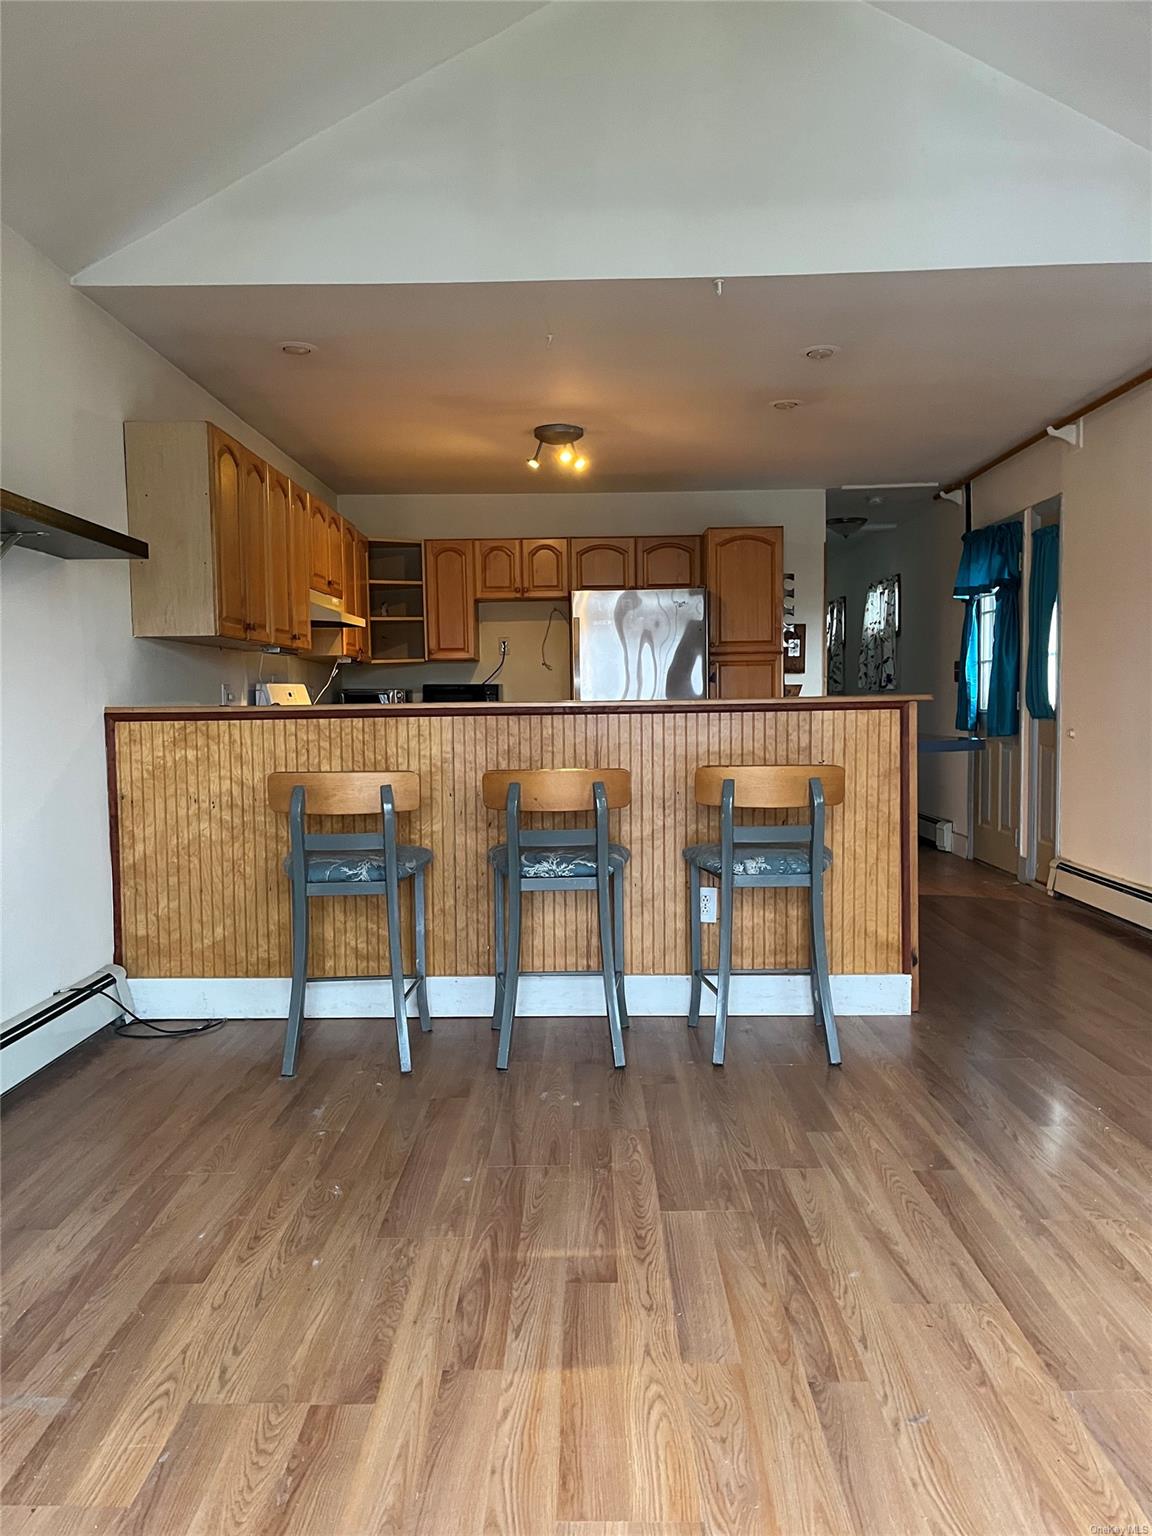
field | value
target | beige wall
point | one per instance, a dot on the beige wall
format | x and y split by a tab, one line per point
923	551
71	376
1105	820
800	513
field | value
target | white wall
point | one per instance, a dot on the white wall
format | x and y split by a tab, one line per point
1105	820
923	551
799	513
71	376
674	141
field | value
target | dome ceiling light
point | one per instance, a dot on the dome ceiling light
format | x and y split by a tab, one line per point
563	438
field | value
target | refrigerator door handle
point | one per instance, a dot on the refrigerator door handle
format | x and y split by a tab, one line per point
575	656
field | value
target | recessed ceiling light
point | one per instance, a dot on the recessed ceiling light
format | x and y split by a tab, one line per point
297	348
821	353
785	405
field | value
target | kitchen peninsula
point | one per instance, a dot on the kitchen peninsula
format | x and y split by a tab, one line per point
201	901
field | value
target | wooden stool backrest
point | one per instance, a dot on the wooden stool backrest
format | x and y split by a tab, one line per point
344	794
557	789
783	787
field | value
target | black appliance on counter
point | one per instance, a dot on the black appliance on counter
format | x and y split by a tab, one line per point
376	696
461	693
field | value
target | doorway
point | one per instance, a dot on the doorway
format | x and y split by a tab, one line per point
996	824
1044	785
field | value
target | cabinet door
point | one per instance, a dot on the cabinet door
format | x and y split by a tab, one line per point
544	567
362	594
281	569
254	513
318	514
744	568
227	459
300	569
450	600
607	563
668	562
335	553
350	549
498	573
748	677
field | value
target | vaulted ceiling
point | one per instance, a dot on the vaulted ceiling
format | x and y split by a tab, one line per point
227	176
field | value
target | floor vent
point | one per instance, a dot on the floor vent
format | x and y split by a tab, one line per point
936	830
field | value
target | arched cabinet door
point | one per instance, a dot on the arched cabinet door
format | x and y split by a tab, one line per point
498	573
281	571
544	567
609	564
254	475
745	588
228	533
671	561
450	600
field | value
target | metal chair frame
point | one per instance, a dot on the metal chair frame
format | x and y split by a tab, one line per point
608	884
731	837
302	844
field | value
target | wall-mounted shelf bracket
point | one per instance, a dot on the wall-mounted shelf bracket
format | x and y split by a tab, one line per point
1072	434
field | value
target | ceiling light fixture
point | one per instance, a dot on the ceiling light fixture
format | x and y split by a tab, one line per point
297	348
821	353
785	405
846	526
563	436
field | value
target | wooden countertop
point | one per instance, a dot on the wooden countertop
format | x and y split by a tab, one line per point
553	707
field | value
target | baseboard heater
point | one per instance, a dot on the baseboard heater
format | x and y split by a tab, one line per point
1119	898
936	830
39	1035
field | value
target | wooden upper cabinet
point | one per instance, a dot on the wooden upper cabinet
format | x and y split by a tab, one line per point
672	561
355	584
450	600
281	569
335	553
300	566
606	563
745	576
498	569
254	510
319	515
228	535
544	567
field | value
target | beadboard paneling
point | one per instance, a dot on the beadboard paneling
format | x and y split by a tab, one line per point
201	890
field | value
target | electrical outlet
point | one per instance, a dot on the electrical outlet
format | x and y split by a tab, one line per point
708	903
503	644
227	696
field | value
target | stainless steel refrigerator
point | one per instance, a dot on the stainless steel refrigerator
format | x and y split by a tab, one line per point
640	645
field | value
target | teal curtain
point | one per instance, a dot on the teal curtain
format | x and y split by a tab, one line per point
990	562
1042	589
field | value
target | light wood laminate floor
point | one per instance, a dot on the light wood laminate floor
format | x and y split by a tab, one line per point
911	1296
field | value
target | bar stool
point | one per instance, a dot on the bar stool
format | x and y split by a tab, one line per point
572	859
353	864
764	856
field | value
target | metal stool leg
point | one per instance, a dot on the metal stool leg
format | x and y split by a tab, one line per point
295	1022
498	890
821	985
608	965
419	909
724	971
511	974
694	929
396	961
617	889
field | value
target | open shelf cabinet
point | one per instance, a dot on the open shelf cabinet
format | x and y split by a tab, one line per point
396	602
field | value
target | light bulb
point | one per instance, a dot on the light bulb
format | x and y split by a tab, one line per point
533	462
581	463
565	455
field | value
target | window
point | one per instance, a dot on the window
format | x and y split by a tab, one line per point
1054	654
985	635
877	670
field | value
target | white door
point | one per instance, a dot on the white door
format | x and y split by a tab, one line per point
996	838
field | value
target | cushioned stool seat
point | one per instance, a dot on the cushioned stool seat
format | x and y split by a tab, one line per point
756	859
540	863
334	868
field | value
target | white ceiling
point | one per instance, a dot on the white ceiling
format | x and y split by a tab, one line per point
120	115
437	387
1093	55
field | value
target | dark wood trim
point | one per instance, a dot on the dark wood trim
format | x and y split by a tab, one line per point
114	835
359	711
1038	437
70	537
909	883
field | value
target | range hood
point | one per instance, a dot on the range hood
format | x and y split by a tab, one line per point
324	609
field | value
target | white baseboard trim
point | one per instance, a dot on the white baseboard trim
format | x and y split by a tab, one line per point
556	995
